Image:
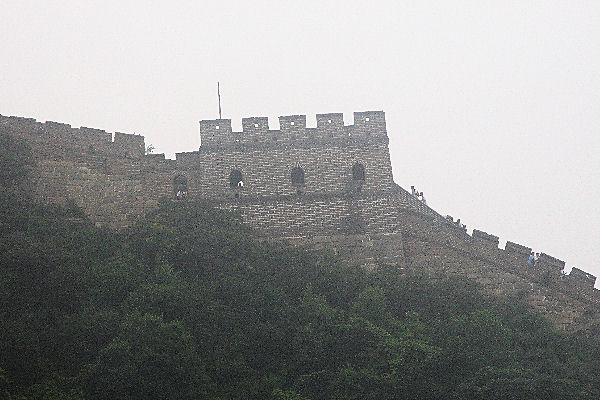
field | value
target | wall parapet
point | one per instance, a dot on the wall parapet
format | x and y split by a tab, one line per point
118	145
217	133
577	285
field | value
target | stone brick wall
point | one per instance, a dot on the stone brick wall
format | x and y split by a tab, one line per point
115	183
434	247
364	221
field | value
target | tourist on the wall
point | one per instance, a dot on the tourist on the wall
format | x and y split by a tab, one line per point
531	261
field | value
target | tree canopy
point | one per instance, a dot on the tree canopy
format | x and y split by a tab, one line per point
187	304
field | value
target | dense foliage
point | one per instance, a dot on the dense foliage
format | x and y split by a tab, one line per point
188	305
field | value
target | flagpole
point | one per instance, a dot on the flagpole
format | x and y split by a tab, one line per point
219	94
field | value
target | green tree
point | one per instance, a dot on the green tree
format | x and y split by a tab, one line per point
149	359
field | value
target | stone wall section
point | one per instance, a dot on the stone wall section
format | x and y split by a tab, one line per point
365	221
115	183
434	248
308	216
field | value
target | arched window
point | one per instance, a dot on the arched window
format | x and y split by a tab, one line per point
180	187
235	178
297	176
358	172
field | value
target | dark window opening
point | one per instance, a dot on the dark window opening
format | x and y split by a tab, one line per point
297	176
180	189
235	179
358	172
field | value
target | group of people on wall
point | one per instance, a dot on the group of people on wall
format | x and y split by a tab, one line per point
181	194
418	195
533	259
457	223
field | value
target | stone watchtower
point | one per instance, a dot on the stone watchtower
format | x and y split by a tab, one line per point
299	183
293	182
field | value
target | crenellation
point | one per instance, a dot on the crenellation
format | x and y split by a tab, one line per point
255	127
59	131
553	263
215	132
512	247
582	278
96	139
57	125
22	127
21	121
369	123
486	237
330	121
293	127
331	126
129	144
100	133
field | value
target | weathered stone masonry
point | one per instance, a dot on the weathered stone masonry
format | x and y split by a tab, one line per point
329	186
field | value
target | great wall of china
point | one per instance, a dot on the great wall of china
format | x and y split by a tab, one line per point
329	186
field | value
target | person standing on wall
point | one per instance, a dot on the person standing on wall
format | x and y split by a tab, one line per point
531	261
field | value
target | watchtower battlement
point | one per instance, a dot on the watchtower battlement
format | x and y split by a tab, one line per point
368	125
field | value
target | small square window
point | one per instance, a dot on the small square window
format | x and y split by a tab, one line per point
328	121
292	123
367	119
256	125
217	127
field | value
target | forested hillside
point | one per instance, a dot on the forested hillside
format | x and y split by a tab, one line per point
188	305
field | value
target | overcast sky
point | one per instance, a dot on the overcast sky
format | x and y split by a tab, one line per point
493	108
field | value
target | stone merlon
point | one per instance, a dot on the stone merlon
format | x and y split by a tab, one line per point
477	234
582	277
517	248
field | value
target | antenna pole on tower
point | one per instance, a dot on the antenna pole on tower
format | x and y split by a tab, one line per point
219	95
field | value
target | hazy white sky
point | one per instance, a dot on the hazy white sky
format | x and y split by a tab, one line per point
493	108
